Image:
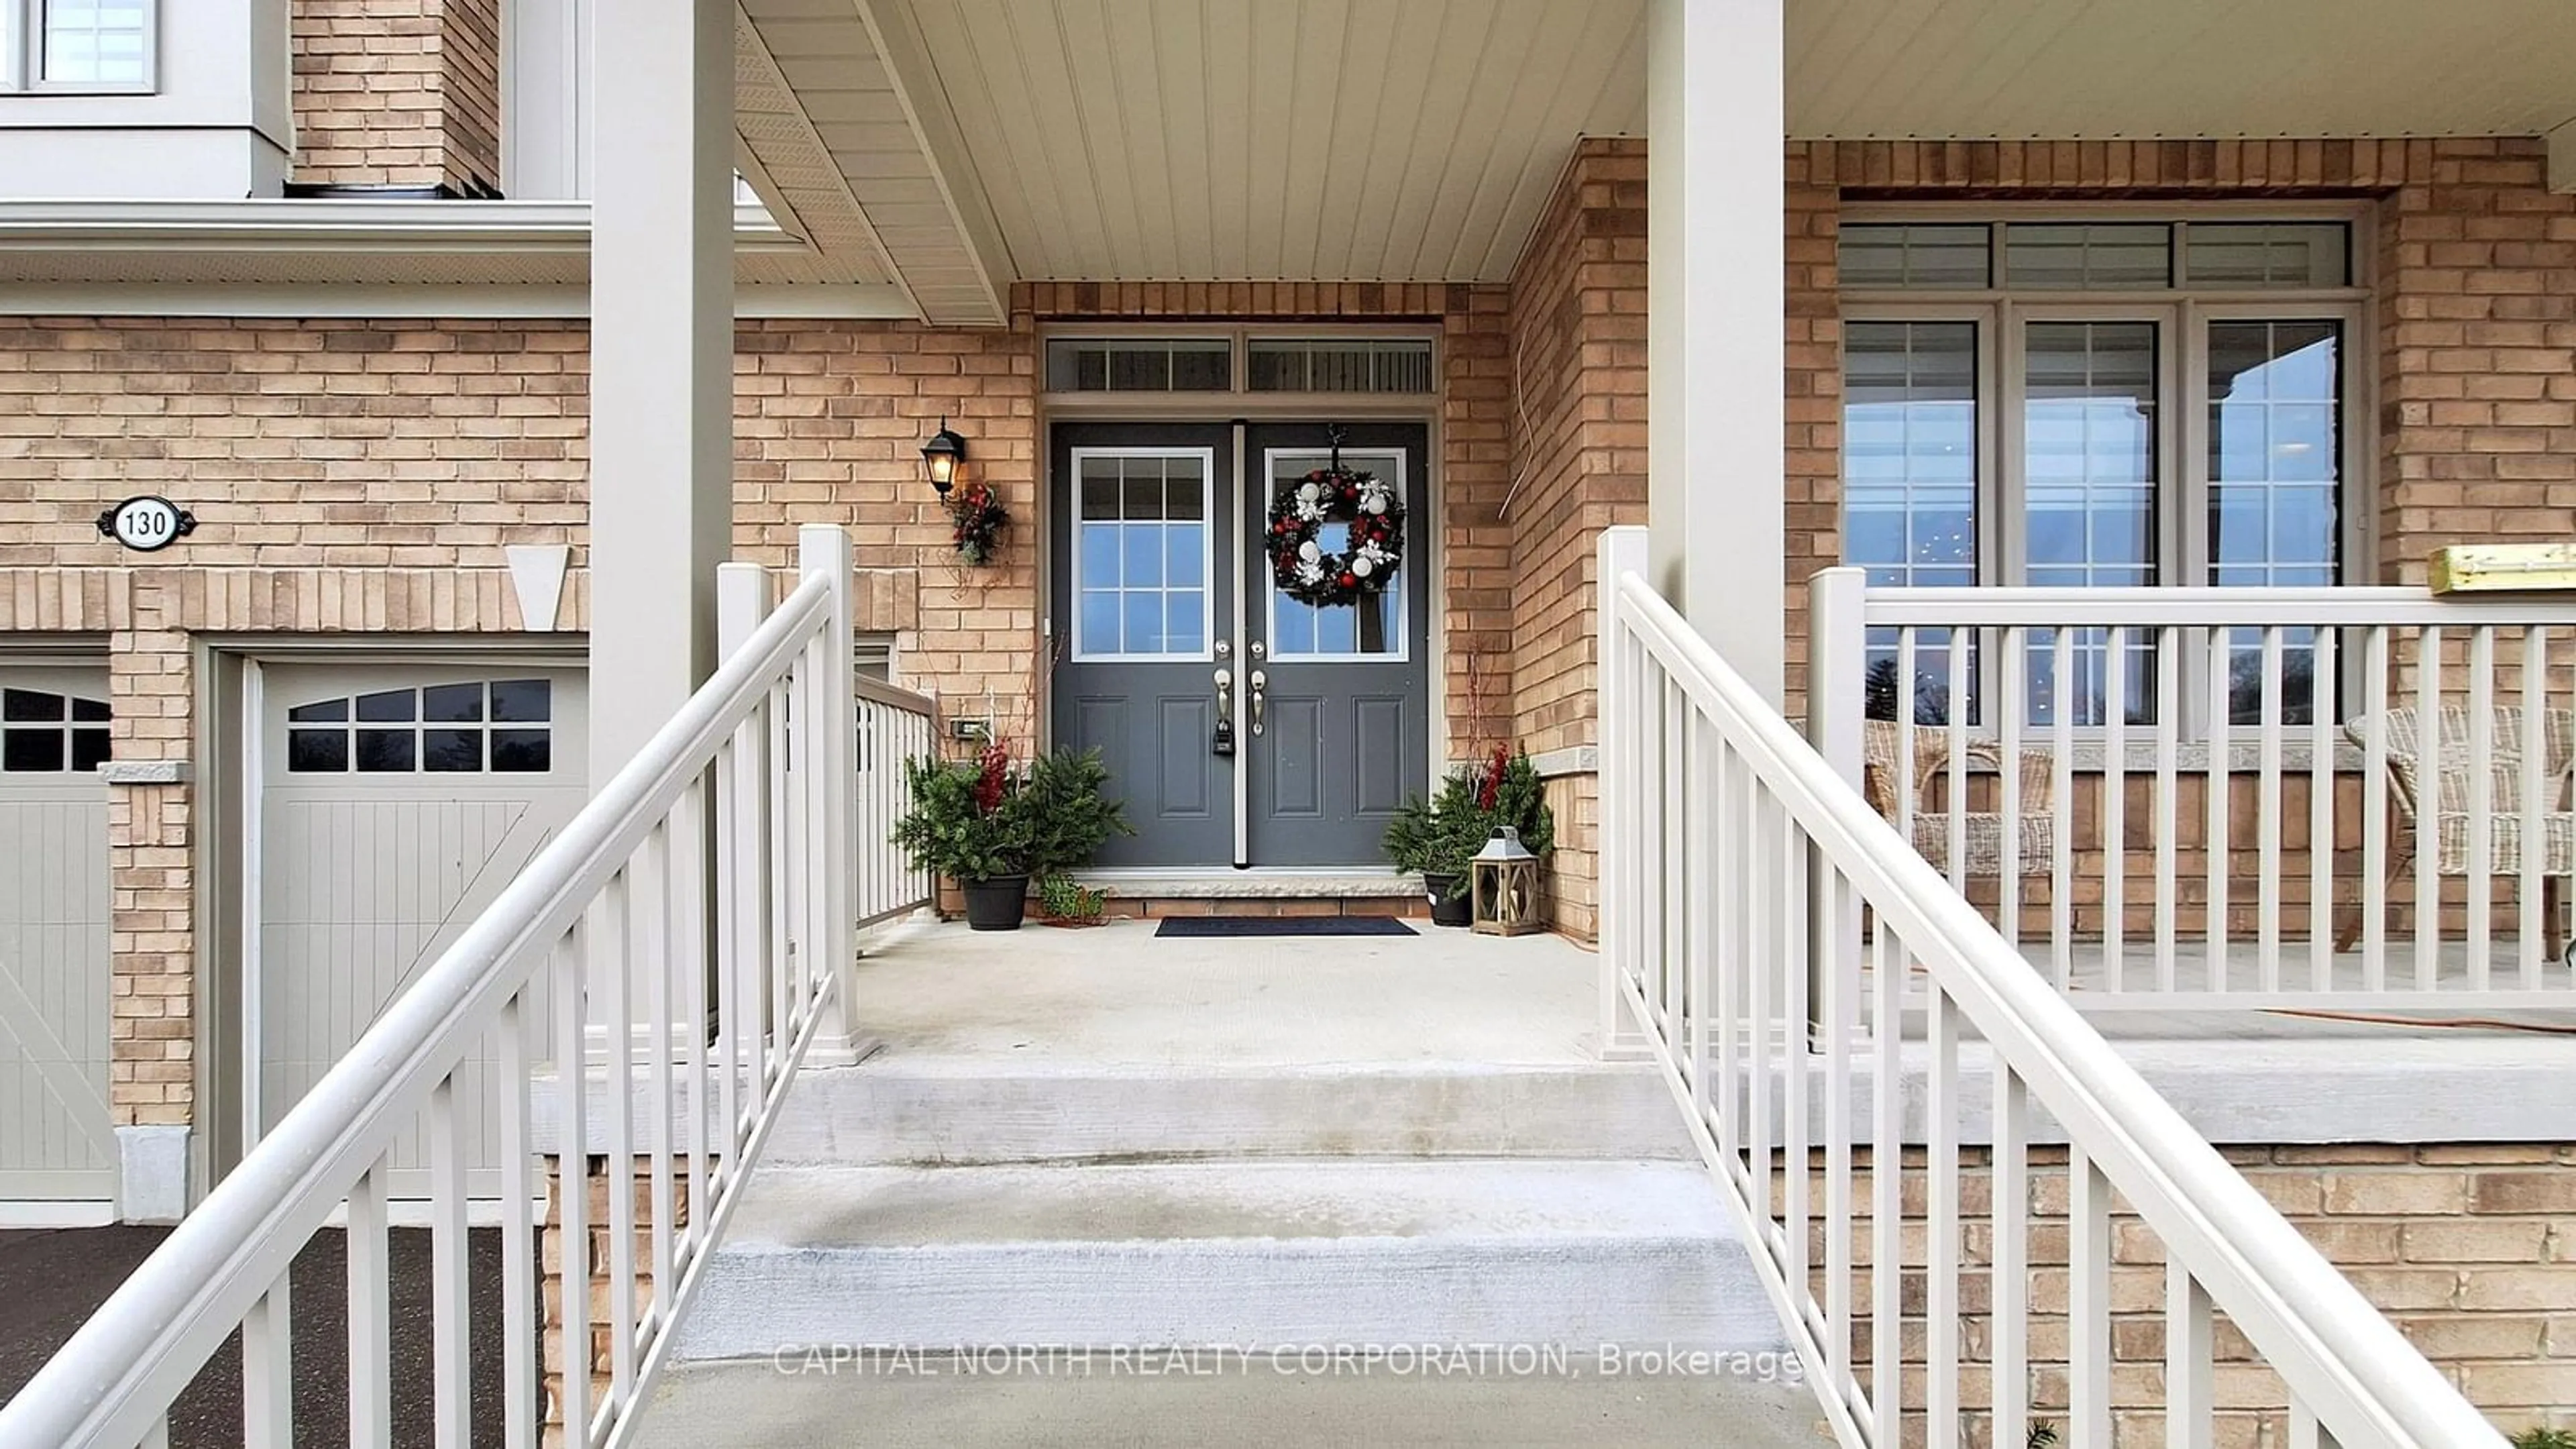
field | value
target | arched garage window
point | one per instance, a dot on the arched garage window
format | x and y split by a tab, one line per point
503	726
51	734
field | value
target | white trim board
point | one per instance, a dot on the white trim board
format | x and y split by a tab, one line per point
876	301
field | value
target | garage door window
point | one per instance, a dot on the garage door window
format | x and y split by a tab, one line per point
51	734
500	726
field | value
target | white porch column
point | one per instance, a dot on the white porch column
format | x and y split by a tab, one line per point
661	382
1714	328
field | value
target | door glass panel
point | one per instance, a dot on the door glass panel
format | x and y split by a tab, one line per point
2275	464
1910	484
2089	456
1140	556
1374	626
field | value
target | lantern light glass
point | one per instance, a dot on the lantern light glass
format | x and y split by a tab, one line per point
1503	884
940	457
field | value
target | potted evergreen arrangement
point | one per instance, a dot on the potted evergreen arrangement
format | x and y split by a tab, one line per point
989	826
1439	836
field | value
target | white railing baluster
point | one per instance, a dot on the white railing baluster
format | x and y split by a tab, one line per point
2428	851
2322	696
1954	754
1674	754
1787	853
520	1330
2218	647
2115	806
2010	709
2088	1300
268	1369
662	942
2268	810
2531	808
400	1108
2373	890
1941	1213
1840	1010
2479	889
2061	849
450	1288
370	1262
1700	808
2169	668
2008	1277
2191	1405
1887	1184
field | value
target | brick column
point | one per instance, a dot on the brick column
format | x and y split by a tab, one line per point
592	1264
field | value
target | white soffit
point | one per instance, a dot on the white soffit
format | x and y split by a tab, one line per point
854	147
2067	69
1299	140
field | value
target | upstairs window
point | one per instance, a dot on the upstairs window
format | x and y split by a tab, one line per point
77	46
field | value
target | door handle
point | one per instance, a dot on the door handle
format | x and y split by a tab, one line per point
1258	681
1222	742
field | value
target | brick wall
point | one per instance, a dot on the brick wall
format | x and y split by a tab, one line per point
364	477
398	93
1578	346
2466	1248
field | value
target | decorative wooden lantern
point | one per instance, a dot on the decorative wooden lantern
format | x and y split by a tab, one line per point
1504	885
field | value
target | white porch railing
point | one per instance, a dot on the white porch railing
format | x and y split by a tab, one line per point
895	725
2211	798
1733	855
613	914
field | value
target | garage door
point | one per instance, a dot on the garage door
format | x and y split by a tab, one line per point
395	804
56	1142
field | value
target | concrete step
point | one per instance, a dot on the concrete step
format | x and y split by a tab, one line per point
970	1109
1262	1253
942	1402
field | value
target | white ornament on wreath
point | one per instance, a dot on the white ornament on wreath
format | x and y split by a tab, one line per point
1307	552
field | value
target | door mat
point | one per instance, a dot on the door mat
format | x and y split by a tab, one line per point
1282	926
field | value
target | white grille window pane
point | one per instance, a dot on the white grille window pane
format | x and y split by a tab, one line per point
2078	257
2275	476
1140	365
2268	254
1277	364
1919	257
1910	475
2089	451
94	42
1141	556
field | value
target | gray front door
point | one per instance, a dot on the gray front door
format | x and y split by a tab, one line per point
1321	724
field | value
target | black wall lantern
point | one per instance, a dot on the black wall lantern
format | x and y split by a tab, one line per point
940	457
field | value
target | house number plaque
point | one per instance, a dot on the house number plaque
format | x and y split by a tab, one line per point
147	524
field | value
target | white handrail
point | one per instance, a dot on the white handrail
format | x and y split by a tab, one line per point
2343	1363
616	887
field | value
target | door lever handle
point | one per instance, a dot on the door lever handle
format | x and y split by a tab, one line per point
1258	681
1224	693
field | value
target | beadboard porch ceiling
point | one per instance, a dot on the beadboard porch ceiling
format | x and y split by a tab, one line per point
974	143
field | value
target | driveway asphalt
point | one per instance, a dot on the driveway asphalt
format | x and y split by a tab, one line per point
51	1281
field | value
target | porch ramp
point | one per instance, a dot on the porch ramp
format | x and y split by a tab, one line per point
1099	1187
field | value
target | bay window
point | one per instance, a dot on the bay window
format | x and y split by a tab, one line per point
2044	402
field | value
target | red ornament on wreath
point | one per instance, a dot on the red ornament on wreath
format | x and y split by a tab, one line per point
1299	563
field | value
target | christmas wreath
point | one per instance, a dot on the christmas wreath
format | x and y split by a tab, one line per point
1304	568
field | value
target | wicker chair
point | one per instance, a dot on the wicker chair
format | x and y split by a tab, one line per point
1984	829
2404	738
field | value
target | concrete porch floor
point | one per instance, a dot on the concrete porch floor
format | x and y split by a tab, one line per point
1118	995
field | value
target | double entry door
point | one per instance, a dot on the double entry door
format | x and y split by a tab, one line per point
1241	727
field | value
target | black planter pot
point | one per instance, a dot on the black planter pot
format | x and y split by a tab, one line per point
1446	911
996	904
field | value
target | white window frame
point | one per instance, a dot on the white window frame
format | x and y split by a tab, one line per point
2182	315
22	28
1208	507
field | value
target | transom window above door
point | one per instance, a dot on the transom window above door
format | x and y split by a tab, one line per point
2054	403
